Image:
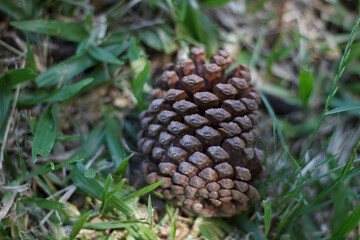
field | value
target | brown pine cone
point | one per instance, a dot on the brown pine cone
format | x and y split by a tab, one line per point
199	133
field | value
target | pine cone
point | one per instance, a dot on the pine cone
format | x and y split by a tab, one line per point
199	132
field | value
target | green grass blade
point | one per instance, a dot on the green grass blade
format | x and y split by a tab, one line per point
343	109
139	83
64	71
306	82
113	138
79	225
151	39
267	216
46	168
30	56
112	224
143	191
90	173
92	143
121	170
173	229
12	9
115	190
58	95
18	76
5	99
92	188
67	92
105	192
45	133
44	203
244	224
134	51
347	225
341	206
339	74
278	129
150	211
103	55
215	3
66	30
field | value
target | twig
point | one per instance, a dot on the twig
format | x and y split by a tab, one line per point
10	48
21	188
58	192
70	189
97	154
7	129
64	198
7	206
195	228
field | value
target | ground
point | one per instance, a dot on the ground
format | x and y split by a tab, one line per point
75	75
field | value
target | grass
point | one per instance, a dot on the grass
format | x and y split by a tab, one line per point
68	121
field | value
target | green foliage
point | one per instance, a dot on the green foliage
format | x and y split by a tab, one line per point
306	80
45	133
105	50
113	138
64	71
139	83
104	56
44	203
267	216
79	225
66	30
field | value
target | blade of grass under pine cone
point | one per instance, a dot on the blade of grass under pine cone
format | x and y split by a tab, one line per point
71	31
208	233
221	223
92	188
173	229
45	133
244	224
142	232
143	190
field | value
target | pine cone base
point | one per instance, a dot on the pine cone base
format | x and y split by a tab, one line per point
199	133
